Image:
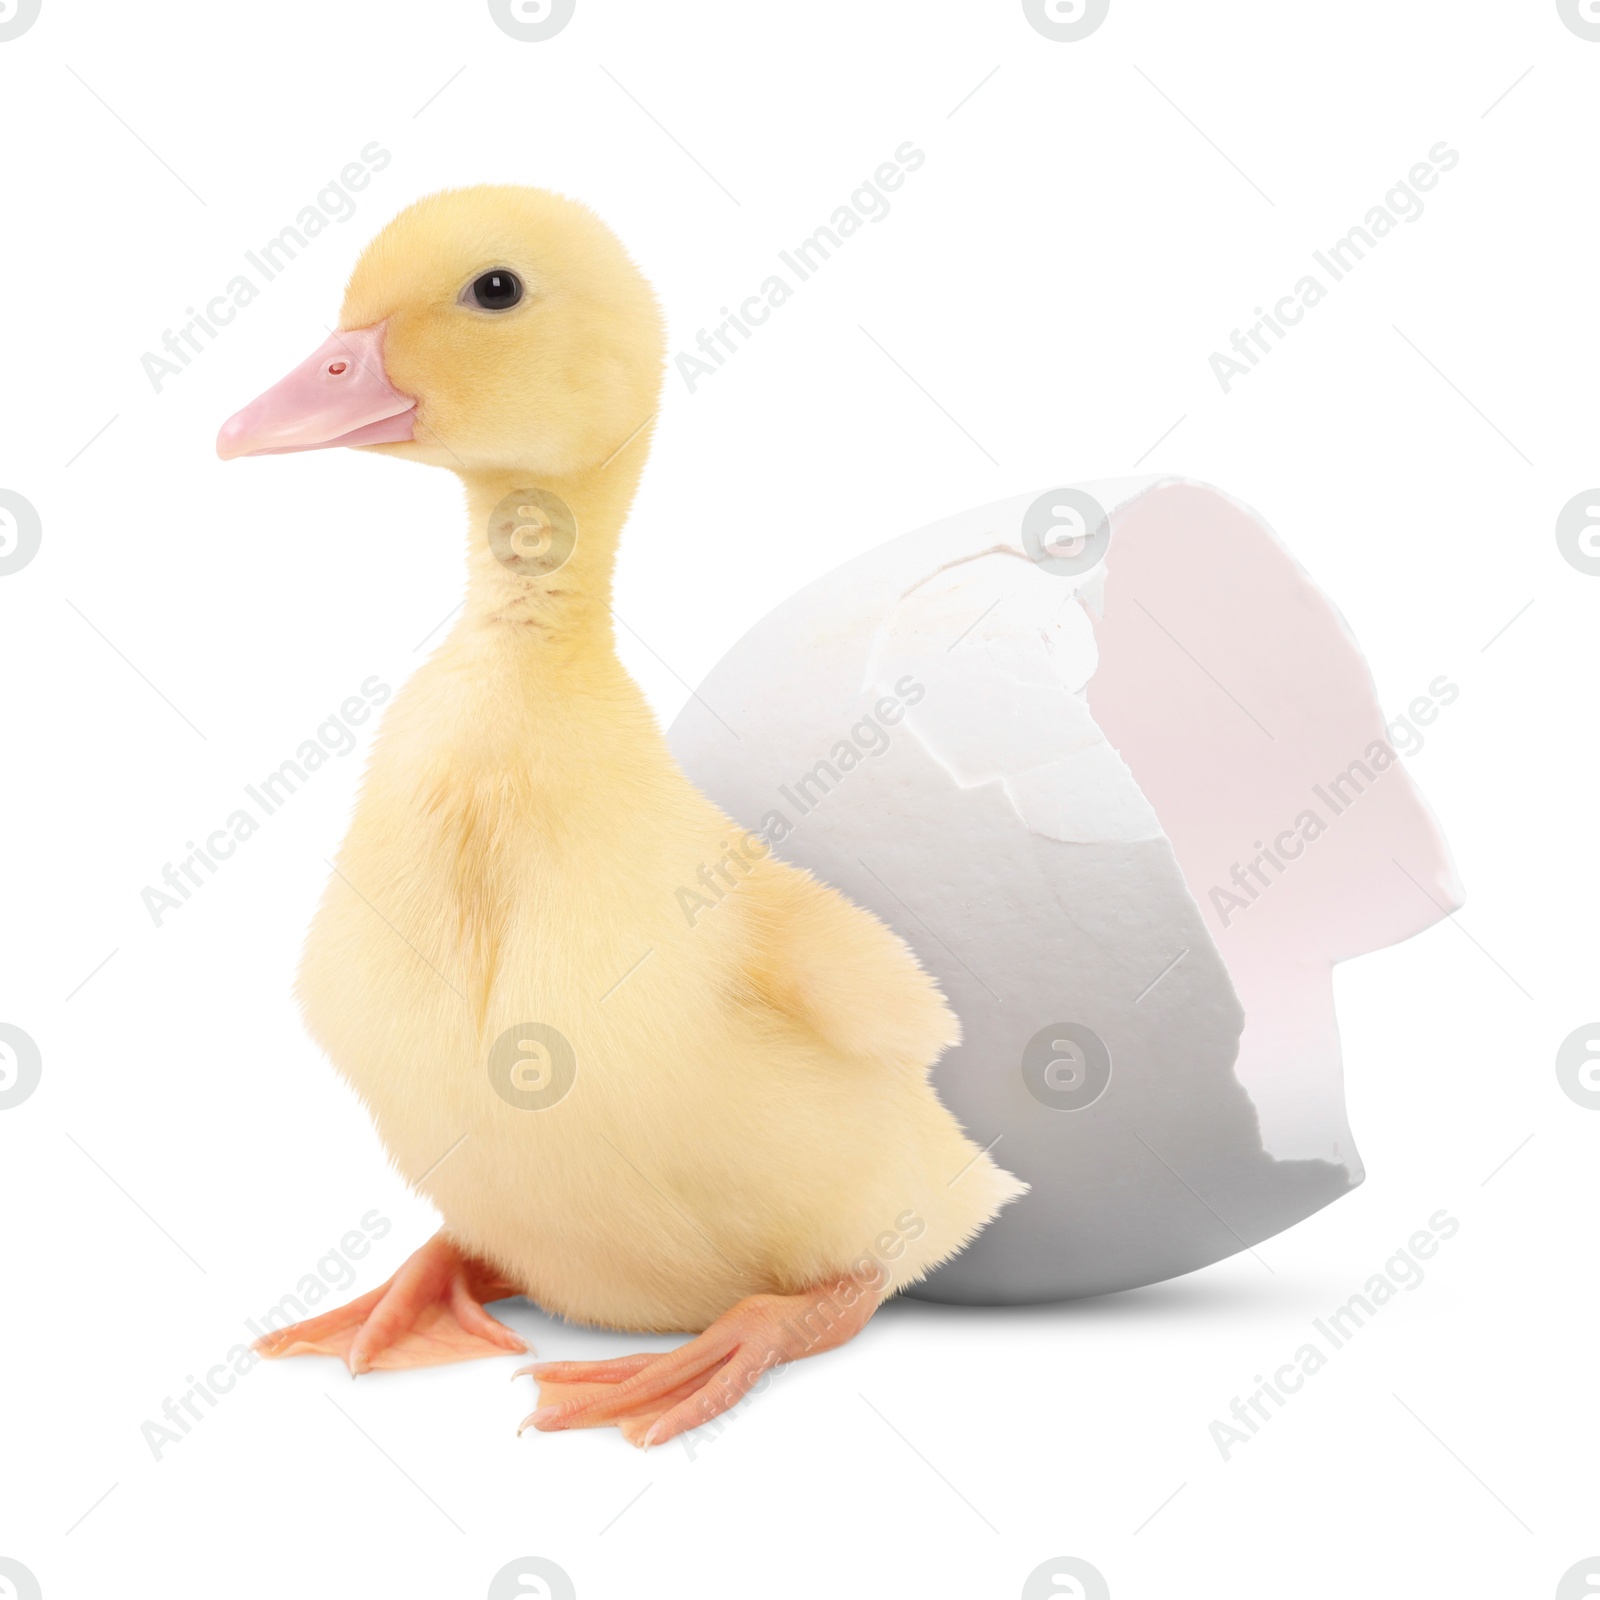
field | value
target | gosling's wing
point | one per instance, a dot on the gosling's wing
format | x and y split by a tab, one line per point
822	961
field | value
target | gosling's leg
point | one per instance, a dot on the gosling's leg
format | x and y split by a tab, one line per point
652	1398
429	1312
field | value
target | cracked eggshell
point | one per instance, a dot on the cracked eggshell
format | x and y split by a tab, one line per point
1038	776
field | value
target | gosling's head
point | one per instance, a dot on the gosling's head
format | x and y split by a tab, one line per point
488	329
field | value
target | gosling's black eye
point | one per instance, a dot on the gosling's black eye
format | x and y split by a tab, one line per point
495	291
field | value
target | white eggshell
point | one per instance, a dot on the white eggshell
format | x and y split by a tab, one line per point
1041	779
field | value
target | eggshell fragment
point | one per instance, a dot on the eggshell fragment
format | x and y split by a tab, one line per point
1048	776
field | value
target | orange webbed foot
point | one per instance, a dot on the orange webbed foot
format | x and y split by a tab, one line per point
430	1312
653	1398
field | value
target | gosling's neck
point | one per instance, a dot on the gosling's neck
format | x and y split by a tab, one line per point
556	614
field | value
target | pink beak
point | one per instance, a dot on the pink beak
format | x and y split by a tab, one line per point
339	395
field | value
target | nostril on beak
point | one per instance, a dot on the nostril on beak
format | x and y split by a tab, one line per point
337	369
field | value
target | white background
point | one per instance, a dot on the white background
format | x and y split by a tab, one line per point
1055	277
